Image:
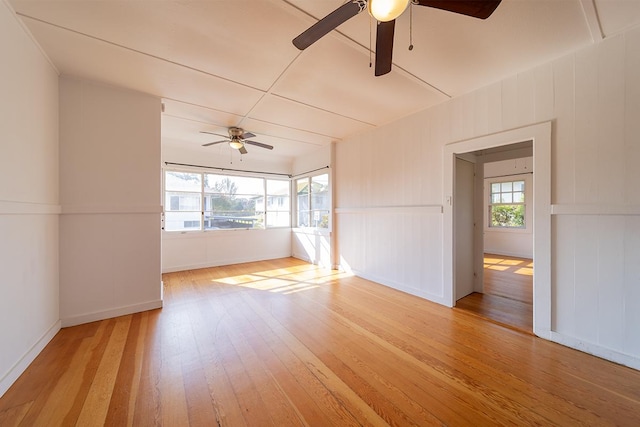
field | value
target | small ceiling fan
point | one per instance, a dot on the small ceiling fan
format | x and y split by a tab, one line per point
386	12
237	140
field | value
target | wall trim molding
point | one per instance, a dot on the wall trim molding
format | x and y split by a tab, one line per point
28	208
110	209
415	209
23	363
596	350
594	209
108	314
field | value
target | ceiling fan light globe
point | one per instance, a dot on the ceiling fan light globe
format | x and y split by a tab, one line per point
387	10
235	143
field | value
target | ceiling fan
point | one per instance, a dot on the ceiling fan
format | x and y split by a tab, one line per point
237	140
386	12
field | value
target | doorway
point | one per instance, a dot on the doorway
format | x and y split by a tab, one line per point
494	265
538	137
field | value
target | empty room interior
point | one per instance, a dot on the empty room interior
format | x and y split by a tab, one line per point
294	212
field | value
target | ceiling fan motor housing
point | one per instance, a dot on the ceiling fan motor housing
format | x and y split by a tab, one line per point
236	133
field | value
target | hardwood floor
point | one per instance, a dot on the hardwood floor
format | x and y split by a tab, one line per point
284	343
508	293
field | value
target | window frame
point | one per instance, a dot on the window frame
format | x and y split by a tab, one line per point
204	193
528	194
310	208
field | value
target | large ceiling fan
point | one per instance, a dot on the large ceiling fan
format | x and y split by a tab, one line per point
386	12
237	140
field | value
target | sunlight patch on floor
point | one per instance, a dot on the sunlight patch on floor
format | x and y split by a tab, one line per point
238	280
497	267
286	280
268	284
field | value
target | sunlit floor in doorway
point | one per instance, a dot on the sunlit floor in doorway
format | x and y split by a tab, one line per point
508	293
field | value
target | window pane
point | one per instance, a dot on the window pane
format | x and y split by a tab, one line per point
495	198
506	198
518	197
302	186
303	218
495	187
506	186
221	222
175	201
181	221
518	186
320	183
233	184
511	216
235	205
182	181
302	191
278	219
320	200
320	218
278	203
277	187
320	196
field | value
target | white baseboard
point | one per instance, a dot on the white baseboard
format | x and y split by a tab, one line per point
438	299
107	314
596	350
23	363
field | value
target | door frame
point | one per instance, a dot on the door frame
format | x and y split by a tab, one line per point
540	135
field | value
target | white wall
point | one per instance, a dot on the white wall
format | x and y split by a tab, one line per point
110	196
29	204
389	200
200	249
510	242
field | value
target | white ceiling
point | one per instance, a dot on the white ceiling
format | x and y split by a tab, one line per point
231	63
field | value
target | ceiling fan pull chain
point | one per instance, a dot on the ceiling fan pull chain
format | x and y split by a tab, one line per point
411	25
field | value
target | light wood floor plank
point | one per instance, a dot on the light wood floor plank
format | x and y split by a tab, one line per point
282	342
96	404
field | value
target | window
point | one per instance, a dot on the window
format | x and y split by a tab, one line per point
278	208
507	204
233	202
313	201
205	201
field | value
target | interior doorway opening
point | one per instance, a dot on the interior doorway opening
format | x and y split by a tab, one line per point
493	227
540	135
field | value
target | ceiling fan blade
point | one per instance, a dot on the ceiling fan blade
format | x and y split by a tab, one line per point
259	144
384	47
214	143
213	133
480	9
328	23
247	135
242	150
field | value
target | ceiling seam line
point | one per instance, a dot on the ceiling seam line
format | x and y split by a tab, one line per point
269	90
140	52
262	134
324	110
